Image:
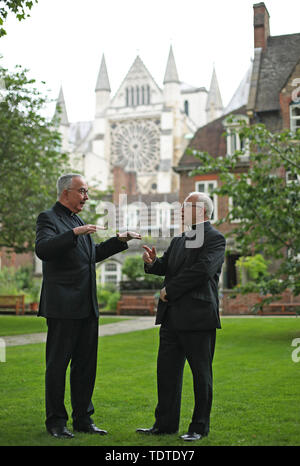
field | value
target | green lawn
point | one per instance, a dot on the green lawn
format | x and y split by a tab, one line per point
21	325
256	389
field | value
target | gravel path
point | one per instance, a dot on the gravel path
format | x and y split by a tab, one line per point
126	326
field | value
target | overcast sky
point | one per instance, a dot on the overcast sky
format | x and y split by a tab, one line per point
63	41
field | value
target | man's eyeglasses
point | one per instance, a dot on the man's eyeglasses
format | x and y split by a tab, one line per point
82	191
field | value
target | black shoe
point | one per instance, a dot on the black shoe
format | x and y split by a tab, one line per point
60	432
152	431
90	429
192	436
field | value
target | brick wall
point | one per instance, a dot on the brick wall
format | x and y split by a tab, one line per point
124	183
261	25
15	260
242	304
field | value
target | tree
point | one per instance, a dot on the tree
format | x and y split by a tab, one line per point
18	7
266	201
133	268
31	159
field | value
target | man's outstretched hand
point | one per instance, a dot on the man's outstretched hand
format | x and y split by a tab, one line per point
128	235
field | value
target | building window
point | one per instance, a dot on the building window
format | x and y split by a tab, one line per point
291	177
207	187
137	96
186	107
295	117
233	204
143	95
163	215
234	140
110	267
132	96
110	273
133	217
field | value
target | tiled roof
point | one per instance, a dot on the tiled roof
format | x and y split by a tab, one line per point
209	138
277	63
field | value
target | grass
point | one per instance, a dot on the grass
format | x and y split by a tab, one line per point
256	389
22	324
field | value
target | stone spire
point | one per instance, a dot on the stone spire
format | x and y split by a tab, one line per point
102	80
171	75
214	104
63	110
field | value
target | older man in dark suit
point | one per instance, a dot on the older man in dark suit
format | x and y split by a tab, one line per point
69	303
188	312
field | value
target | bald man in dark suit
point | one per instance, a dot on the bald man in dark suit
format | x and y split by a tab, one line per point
188	311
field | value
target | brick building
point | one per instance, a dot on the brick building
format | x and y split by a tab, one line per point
268	95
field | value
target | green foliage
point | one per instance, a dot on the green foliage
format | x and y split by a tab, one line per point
256	265
108	297
133	268
8	283
20	281
267	206
18	7
30	160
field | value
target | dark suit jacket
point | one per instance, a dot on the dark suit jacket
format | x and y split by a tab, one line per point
69	276
191	281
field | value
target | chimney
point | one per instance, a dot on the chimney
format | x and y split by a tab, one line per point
261	25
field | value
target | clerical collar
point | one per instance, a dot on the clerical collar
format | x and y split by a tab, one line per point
193	227
65	209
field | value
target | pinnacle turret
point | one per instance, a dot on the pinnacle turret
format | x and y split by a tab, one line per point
102	80
171	74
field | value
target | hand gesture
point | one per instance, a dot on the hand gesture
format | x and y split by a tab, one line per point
85	230
149	255
128	235
163	295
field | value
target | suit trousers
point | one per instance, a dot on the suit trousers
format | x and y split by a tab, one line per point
175	347
74	340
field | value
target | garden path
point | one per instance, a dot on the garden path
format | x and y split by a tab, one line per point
132	324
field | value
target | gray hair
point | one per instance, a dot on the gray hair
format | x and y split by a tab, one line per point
207	201
65	181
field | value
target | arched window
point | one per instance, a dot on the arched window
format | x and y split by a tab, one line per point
132	96
143	96
186	107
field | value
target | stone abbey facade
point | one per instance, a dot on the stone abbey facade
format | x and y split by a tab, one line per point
141	132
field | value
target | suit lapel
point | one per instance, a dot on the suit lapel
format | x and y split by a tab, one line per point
87	240
84	240
178	254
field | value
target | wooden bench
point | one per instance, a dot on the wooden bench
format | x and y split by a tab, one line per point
132	304
282	308
16	302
